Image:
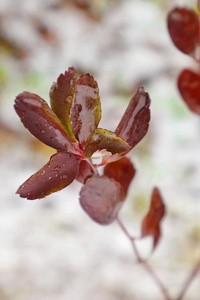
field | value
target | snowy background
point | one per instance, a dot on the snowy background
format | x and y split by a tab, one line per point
49	248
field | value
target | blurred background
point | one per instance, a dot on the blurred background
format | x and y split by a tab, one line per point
49	248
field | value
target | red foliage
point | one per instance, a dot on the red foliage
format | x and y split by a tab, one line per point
189	87
151	222
183	29
122	171
71	128
102	198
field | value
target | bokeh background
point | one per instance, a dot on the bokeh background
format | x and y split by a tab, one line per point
49	248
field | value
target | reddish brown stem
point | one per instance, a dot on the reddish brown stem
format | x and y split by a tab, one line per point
189	280
145	265
92	166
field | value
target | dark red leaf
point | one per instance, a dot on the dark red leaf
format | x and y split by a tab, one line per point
58	173
41	121
102	197
62	96
151	222
102	139
189	87
135	121
86	109
183	28
85	171
122	171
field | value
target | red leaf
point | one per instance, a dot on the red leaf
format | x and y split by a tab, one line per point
151	222
135	121
183	28
58	173
62	96
102	197
189	87
107	159
122	171
41	121
85	171
86	109
102	139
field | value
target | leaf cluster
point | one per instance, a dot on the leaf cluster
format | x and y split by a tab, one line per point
71	127
184	29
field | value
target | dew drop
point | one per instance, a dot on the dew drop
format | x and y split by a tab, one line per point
43	131
64	176
57	168
69	99
50	178
43	172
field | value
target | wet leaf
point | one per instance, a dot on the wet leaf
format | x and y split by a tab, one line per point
183	29
41	121
135	121
58	173
101	198
102	139
151	222
62	96
189	87
86	110
109	158
122	171
85	171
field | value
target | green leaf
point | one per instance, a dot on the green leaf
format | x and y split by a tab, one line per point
62	96
41	121
102	139
58	173
135	121
102	198
86	109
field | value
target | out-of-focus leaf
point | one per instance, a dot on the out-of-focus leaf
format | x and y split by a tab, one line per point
102	197
135	121
102	139
122	171
86	109
41	121
189	87
151	222
183	29
62	95
85	171
58	173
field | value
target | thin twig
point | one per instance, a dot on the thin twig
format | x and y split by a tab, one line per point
145	265
92	166
189	280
